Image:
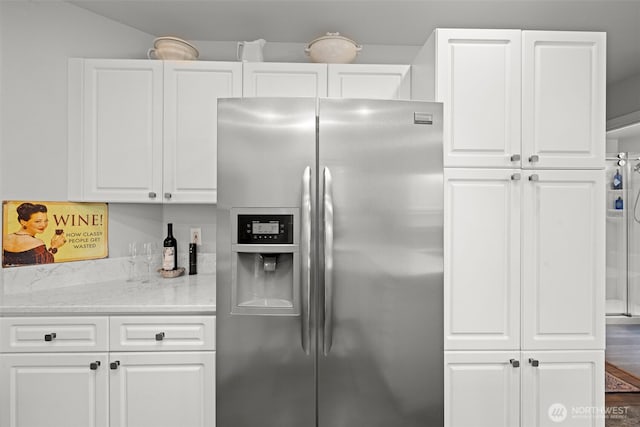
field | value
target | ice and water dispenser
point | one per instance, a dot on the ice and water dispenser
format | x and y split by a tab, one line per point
265	261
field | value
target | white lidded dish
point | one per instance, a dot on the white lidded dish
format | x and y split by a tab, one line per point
172	48
333	48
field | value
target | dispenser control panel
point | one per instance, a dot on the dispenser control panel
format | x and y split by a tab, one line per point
265	229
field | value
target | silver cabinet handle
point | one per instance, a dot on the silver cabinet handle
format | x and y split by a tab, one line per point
515	363
152	195
50	337
515	177
533	159
160	336
305	324
534	177
515	157
535	363
327	201
94	365
167	196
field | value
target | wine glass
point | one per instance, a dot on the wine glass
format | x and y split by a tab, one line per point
131	259
149	250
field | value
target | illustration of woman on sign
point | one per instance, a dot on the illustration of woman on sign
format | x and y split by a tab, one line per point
22	247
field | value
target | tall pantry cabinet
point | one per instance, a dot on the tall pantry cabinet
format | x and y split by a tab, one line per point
524	143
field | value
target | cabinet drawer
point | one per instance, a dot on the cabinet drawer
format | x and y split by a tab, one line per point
162	333
43	334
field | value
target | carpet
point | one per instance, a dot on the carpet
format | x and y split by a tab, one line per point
620	381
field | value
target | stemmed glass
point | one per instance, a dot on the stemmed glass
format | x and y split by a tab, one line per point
132	258
149	249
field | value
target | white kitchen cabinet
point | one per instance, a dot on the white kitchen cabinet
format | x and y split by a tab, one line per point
103	371
524	214
563	99
54	390
476	74
53	372
145	131
370	81
158	389
115	130
162	333
489	79
530	389
153	381
54	334
191	92
524	259
482	259
563	253
276	79
565	388
482	389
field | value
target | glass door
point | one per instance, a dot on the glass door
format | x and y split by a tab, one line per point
617	174
632	209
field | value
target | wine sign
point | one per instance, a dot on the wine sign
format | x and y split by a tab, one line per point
48	232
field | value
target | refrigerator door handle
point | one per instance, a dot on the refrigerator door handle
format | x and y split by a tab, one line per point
327	201
305	229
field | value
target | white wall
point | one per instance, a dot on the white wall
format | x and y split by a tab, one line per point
623	97
35	41
38	39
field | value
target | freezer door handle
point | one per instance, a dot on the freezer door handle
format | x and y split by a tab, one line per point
327	202
305	324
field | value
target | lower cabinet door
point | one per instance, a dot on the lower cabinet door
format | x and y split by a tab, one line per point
482	389
563	388
54	390
156	389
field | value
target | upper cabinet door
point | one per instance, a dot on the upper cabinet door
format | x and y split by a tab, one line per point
115	152
191	92
369	81
478	80
563	253
272	79
563	99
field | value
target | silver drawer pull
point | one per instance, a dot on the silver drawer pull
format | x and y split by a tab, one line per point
152	195
534	362
534	177
50	337
160	336
515	363
515	177
94	365
515	157
533	159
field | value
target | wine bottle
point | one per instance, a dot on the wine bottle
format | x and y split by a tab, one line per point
170	250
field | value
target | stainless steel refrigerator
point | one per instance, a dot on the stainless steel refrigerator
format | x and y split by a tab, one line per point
329	263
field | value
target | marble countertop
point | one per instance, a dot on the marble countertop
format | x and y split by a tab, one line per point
185	294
